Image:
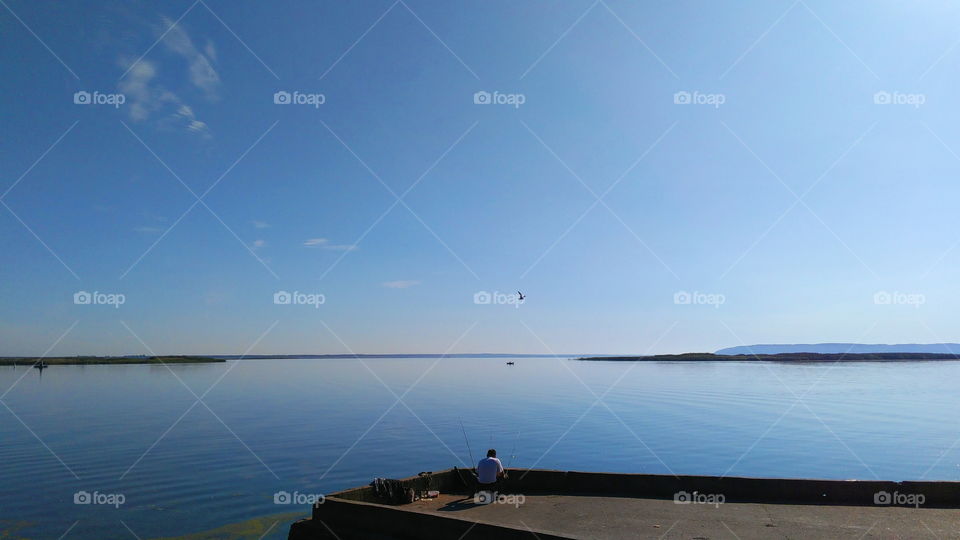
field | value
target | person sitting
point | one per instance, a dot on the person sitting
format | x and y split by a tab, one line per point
489	471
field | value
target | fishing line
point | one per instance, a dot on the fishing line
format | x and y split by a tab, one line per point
512	454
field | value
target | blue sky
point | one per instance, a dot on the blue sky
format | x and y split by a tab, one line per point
806	194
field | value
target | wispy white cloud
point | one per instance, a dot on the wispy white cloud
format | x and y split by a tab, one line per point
148	97
210	51
323	243
155	224
142	98
200	68
189	120
400	284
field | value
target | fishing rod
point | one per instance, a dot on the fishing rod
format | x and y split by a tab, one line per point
467	441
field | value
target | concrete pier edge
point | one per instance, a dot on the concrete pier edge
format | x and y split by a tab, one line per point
359	513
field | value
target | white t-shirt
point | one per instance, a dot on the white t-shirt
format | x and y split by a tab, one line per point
487	470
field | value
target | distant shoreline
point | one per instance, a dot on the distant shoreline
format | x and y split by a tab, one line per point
107	360
220	358
781	357
683	357
385	355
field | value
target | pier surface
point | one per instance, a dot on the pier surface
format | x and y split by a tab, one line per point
567	504
573	516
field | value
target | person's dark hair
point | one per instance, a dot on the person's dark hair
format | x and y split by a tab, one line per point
491	453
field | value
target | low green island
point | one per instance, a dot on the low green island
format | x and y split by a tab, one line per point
781	357
108	360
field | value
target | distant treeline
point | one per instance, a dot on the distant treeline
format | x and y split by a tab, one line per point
385	355
84	360
782	357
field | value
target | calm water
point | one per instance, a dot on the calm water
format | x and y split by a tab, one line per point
305	426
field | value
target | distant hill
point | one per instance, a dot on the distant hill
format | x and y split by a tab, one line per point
840	348
782	357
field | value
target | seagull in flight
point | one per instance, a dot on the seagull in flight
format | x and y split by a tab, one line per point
522	297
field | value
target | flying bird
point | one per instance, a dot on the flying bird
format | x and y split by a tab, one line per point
522	297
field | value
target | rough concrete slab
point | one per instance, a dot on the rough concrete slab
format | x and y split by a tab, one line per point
624	517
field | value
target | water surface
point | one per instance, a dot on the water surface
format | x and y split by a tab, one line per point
317	426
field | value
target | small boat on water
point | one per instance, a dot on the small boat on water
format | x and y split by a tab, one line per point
509	363
41	365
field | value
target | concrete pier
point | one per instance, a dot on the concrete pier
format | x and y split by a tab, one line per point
560	504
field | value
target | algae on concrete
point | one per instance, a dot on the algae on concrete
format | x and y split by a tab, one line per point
252	529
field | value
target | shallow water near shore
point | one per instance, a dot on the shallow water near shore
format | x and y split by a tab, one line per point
307	426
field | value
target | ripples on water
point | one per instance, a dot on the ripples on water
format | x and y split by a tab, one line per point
288	425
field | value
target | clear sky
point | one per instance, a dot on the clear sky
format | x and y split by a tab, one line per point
804	187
